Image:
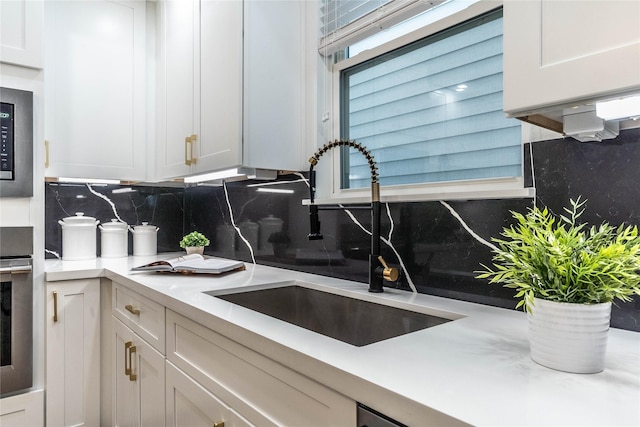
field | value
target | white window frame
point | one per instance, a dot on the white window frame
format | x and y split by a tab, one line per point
328	189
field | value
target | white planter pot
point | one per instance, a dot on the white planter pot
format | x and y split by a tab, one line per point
569	337
195	250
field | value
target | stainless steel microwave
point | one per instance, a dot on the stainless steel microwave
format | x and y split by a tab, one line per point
16	143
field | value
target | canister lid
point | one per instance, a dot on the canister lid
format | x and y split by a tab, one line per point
79	219
114	225
145	228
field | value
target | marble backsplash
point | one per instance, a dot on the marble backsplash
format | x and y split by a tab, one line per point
439	243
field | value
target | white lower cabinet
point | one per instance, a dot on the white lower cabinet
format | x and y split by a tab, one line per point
262	391
22	410
137	359
73	353
138	380
190	404
205	379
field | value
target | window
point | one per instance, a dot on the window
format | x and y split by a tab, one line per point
428	105
432	111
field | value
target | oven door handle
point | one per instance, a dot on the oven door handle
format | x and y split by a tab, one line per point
16	270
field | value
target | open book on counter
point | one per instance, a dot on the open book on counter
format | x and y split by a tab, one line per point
194	263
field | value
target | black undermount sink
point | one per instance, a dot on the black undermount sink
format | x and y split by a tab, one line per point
347	319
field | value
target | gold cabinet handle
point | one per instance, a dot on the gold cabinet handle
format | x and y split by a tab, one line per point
46	153
187	151
55	306
218	424
192	139
132	376
127	368
132	310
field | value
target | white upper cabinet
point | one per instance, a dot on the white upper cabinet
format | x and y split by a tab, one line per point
200	75
561	53
274	78
21	23
231	86
95	78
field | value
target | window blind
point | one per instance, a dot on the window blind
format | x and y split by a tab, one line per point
432	111
344	22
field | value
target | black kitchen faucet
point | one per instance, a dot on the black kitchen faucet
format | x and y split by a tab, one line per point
378	268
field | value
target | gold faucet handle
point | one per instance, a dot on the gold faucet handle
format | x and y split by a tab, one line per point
390	274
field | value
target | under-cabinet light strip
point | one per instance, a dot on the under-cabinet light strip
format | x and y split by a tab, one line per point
275	190
88	181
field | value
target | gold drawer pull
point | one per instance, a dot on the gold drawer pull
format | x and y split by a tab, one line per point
132	376
192	140
127	368
218	424
46	153
55	306
187	151
131	309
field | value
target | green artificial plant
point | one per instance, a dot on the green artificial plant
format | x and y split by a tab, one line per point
194	239
559	259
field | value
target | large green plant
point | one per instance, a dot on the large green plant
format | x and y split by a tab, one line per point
559	259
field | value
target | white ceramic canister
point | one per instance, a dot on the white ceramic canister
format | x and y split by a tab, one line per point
145	239
114	239
268	226
78	237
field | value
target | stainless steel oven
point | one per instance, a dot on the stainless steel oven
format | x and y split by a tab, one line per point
16	309
16	143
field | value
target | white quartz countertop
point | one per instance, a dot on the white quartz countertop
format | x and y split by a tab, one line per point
475	370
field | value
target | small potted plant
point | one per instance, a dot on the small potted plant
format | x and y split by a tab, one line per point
194	242
566	276
280	242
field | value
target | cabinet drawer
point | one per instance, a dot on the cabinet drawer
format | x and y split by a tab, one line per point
189	404
143	316
260	389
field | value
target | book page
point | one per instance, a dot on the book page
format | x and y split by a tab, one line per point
185	259
169	264
209	265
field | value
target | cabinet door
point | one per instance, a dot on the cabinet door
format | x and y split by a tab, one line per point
178	80
274	78
219	144
21	32
190	405
95	120
22	410
73	353
138	380
557	52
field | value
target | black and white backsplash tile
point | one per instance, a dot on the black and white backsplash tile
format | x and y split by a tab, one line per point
438	244
131	204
